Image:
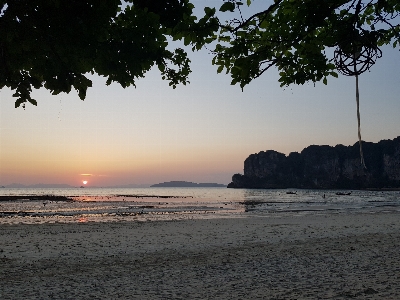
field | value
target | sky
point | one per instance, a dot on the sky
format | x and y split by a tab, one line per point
201	132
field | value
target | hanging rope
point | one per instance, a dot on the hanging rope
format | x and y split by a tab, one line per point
358	114
352	58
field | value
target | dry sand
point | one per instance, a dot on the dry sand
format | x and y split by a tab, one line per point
320	256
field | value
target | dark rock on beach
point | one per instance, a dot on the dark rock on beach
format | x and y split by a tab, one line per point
35	198
324	167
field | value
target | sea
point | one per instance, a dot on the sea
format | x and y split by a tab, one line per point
38	205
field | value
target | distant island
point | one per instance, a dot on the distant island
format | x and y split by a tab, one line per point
324	167
187	184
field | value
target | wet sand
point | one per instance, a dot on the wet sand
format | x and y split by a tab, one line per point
319	256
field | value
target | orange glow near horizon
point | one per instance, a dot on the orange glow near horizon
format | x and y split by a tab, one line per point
85	182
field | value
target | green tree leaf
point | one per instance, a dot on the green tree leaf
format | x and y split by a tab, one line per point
227	6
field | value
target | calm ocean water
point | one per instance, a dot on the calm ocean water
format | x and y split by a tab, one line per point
145	204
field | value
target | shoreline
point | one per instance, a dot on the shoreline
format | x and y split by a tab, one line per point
305	256
5	198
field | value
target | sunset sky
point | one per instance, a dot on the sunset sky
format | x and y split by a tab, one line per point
201	132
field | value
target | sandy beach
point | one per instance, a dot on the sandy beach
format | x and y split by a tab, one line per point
310	256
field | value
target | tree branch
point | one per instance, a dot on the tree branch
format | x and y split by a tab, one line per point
267	11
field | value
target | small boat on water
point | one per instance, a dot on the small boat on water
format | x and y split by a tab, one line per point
291	193
343	194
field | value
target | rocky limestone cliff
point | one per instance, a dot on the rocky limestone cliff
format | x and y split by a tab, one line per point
324	167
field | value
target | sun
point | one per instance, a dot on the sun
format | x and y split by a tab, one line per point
84	182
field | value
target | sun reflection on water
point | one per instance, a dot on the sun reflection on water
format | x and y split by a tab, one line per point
82	220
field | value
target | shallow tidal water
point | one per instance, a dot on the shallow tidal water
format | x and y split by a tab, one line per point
156	204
